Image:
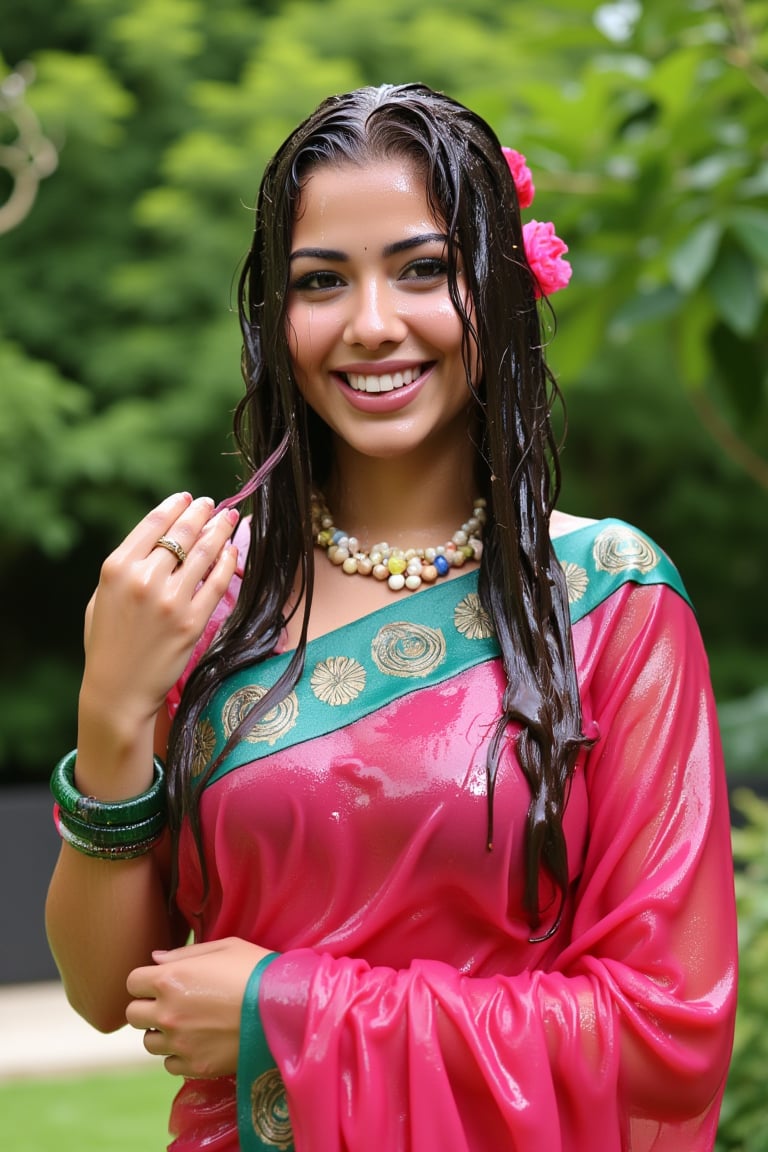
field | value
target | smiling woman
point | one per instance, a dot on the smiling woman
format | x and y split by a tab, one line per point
447	815
376	342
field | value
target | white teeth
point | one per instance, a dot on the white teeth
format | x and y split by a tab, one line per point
386	382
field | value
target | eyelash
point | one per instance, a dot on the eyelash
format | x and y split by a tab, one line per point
313	282
426	268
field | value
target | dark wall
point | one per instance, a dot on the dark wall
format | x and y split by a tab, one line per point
29	846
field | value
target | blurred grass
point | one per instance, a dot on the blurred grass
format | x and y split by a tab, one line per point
116	1111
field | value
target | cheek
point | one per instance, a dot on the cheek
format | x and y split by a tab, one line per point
309	338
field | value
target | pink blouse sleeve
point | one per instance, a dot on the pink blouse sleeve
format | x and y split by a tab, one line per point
623	1042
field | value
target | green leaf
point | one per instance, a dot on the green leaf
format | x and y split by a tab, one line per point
691	340
690	263
735	289
751	227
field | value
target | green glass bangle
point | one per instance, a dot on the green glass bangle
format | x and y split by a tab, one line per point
102	812
112	835
116	852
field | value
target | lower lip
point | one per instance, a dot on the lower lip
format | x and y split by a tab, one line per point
383	402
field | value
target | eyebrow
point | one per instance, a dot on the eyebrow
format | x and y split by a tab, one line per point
336	256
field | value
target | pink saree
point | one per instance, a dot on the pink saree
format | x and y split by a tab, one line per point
408	1010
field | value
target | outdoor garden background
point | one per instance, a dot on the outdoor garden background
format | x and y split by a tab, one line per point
132	138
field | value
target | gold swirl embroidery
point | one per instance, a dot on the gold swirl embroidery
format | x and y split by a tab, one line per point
337	680
271	726
269	1111
576	581
471	619
412	650
617	549
203	746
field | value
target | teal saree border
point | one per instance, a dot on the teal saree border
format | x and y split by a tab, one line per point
415	642
262	1110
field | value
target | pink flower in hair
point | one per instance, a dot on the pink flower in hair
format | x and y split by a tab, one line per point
521	174
544	251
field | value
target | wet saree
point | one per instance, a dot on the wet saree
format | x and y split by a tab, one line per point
408	1008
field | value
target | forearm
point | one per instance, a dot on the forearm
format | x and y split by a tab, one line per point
103	919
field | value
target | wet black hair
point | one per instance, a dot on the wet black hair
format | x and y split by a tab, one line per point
521	584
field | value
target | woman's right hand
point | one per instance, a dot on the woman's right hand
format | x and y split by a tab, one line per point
148	611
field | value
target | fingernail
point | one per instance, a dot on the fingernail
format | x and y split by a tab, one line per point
232	515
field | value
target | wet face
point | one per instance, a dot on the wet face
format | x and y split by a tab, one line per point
375	340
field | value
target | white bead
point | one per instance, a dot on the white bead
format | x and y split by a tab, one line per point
414	568
459	538
353	544
396	582
343	542
430	553
412	582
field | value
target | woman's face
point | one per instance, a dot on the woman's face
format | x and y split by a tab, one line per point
374	338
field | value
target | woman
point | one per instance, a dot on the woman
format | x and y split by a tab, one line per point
449	825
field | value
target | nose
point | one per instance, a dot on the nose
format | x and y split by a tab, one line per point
374	318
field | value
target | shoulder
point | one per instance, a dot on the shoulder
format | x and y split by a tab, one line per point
600	556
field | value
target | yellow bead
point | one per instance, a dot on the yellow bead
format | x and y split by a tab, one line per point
349	566
397	565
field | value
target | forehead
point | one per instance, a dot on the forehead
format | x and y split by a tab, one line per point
379	196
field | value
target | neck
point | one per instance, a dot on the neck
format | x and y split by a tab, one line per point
409	504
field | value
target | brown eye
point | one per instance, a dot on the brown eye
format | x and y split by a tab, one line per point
316	282
426	268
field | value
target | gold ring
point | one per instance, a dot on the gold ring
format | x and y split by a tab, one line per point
172	546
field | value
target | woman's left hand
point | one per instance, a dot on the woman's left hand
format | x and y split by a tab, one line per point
189	1003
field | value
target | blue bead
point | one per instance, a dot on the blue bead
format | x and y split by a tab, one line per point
337	536
441	564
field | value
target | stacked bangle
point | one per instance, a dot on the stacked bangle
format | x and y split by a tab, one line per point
108	830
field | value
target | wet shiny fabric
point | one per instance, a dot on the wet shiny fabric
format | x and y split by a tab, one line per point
409	1011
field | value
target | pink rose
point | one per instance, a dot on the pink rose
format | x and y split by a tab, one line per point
543	251
521	174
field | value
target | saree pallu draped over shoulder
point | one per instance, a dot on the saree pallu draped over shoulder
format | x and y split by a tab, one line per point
407	1009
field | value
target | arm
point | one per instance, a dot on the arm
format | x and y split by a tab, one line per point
626	1035
104	917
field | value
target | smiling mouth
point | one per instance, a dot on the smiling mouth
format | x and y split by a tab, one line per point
384	382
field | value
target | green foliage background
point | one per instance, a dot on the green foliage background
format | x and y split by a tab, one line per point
646	125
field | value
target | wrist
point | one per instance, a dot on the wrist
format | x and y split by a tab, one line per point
108	830
117	716
114	758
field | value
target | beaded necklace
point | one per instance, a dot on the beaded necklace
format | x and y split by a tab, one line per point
403	569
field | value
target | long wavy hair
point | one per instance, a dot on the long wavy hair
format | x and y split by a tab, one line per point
288	448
